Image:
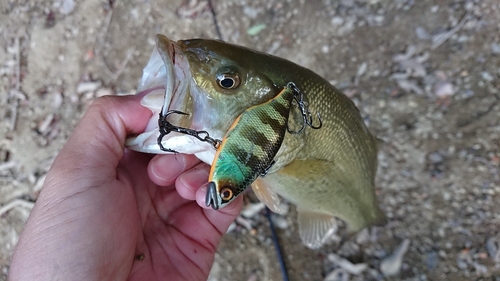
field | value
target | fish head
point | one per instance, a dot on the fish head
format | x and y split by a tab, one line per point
212	81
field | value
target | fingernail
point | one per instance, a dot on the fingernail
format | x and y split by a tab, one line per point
195	178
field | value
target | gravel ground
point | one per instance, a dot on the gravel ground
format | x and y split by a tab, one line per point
425	75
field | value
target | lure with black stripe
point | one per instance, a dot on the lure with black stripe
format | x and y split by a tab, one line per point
248	149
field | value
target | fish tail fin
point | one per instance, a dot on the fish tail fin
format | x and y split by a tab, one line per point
377	219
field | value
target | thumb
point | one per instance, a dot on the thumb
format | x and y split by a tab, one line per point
99	139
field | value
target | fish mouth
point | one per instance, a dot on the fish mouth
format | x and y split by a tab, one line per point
167	51
165	84
211	197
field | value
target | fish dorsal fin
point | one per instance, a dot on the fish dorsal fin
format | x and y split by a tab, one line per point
267	196
315	228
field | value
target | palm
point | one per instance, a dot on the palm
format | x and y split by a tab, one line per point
101	208
177	238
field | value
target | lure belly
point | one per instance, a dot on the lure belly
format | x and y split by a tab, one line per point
248	149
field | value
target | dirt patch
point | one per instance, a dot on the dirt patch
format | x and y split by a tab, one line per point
425	75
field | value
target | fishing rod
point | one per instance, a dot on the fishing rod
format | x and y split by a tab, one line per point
276	242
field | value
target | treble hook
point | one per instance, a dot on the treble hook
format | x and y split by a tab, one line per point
309	122
304	110
166	128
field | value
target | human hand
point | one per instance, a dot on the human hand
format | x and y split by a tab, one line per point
102	207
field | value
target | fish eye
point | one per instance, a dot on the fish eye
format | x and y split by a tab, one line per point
228	80
226	194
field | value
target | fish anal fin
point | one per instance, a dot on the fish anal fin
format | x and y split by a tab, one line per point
267	196
315	228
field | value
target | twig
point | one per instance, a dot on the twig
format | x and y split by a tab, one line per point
122	66
16	203
441	38
15	101
100	42
18	65
7	165
214	17
13	120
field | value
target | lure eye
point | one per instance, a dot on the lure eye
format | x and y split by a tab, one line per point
228	81
226	194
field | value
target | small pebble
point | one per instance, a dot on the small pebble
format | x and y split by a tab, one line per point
362	69
444	89
280	222
432	260
252	209
231	227
391	265
492	248
348	266
462	264
480	269
104	92
284	208
250	12
363	236
337	21
44	125
244	222
495	48
436	158
57	100
85	87
486	76
338	274
422	33
67	7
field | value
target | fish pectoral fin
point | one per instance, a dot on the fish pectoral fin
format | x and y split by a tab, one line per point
315	228
267	196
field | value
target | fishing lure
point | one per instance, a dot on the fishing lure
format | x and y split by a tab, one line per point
249	147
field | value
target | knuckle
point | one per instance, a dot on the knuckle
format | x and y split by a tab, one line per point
103	103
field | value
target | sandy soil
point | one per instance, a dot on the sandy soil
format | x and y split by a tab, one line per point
425	75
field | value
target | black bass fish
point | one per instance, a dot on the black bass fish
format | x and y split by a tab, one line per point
328	173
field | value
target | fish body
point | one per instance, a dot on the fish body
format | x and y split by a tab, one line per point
328	173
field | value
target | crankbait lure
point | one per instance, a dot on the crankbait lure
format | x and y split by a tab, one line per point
248	149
